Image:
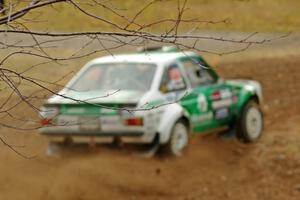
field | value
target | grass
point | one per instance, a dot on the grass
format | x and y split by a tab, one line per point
241	15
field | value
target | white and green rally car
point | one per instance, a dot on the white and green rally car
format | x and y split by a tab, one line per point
161	96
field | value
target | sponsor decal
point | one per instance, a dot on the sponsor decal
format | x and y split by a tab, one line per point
226	94
202	103
206	116
221	94
89	124
202	117
222	99
222	113
65	121
222	103
216	95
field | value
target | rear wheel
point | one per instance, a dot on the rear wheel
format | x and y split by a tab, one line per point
178	139
250	125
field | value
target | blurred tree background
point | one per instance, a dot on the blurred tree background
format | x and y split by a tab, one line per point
234	15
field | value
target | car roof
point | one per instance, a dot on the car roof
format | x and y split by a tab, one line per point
144	57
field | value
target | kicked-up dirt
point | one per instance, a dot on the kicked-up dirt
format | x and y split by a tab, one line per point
210	169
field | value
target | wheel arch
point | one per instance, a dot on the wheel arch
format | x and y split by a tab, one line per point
171	116
245	97
186	121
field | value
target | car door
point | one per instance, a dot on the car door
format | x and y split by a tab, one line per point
210	100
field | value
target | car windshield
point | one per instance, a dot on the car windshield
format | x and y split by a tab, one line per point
116	76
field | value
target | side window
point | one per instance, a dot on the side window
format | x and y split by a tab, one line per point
172	80
197	72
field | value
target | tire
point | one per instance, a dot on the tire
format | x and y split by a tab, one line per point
179	139
250	123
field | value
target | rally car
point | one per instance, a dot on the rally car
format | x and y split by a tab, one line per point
158	95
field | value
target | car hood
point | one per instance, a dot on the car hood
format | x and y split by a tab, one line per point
111	97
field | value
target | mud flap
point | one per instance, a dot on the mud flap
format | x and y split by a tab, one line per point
230	133
153	148
54	148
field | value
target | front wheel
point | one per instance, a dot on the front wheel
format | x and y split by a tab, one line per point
179	139
250	124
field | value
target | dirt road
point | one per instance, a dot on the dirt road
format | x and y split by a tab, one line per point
210	169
